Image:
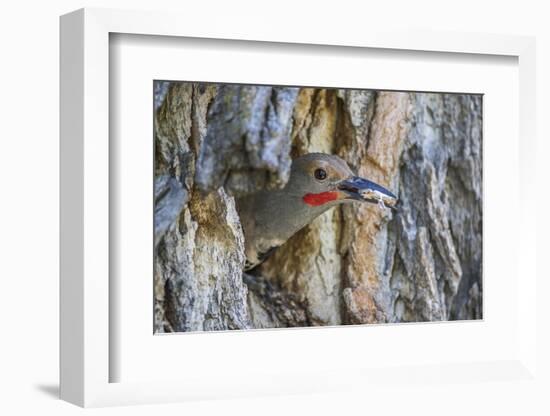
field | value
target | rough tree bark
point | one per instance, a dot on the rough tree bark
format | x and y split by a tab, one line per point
355	264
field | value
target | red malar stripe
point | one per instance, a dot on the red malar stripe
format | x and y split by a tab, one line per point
320	199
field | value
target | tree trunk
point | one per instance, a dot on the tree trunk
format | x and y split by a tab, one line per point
354	264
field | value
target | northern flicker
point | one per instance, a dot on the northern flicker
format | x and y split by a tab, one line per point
317	183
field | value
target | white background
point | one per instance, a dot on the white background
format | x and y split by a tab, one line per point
29	210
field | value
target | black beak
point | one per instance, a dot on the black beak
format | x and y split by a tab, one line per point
364	190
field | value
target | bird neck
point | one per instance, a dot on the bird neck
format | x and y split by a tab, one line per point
287	213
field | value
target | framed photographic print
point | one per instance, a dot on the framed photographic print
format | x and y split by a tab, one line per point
274	213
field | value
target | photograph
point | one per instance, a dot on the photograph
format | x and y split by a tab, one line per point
299	206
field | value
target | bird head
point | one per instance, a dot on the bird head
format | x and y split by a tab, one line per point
322	180
317	182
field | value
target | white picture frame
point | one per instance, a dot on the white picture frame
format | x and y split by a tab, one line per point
85	353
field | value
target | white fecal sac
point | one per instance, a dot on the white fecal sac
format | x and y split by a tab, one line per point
383	200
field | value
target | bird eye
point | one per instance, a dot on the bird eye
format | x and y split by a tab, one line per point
320	174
